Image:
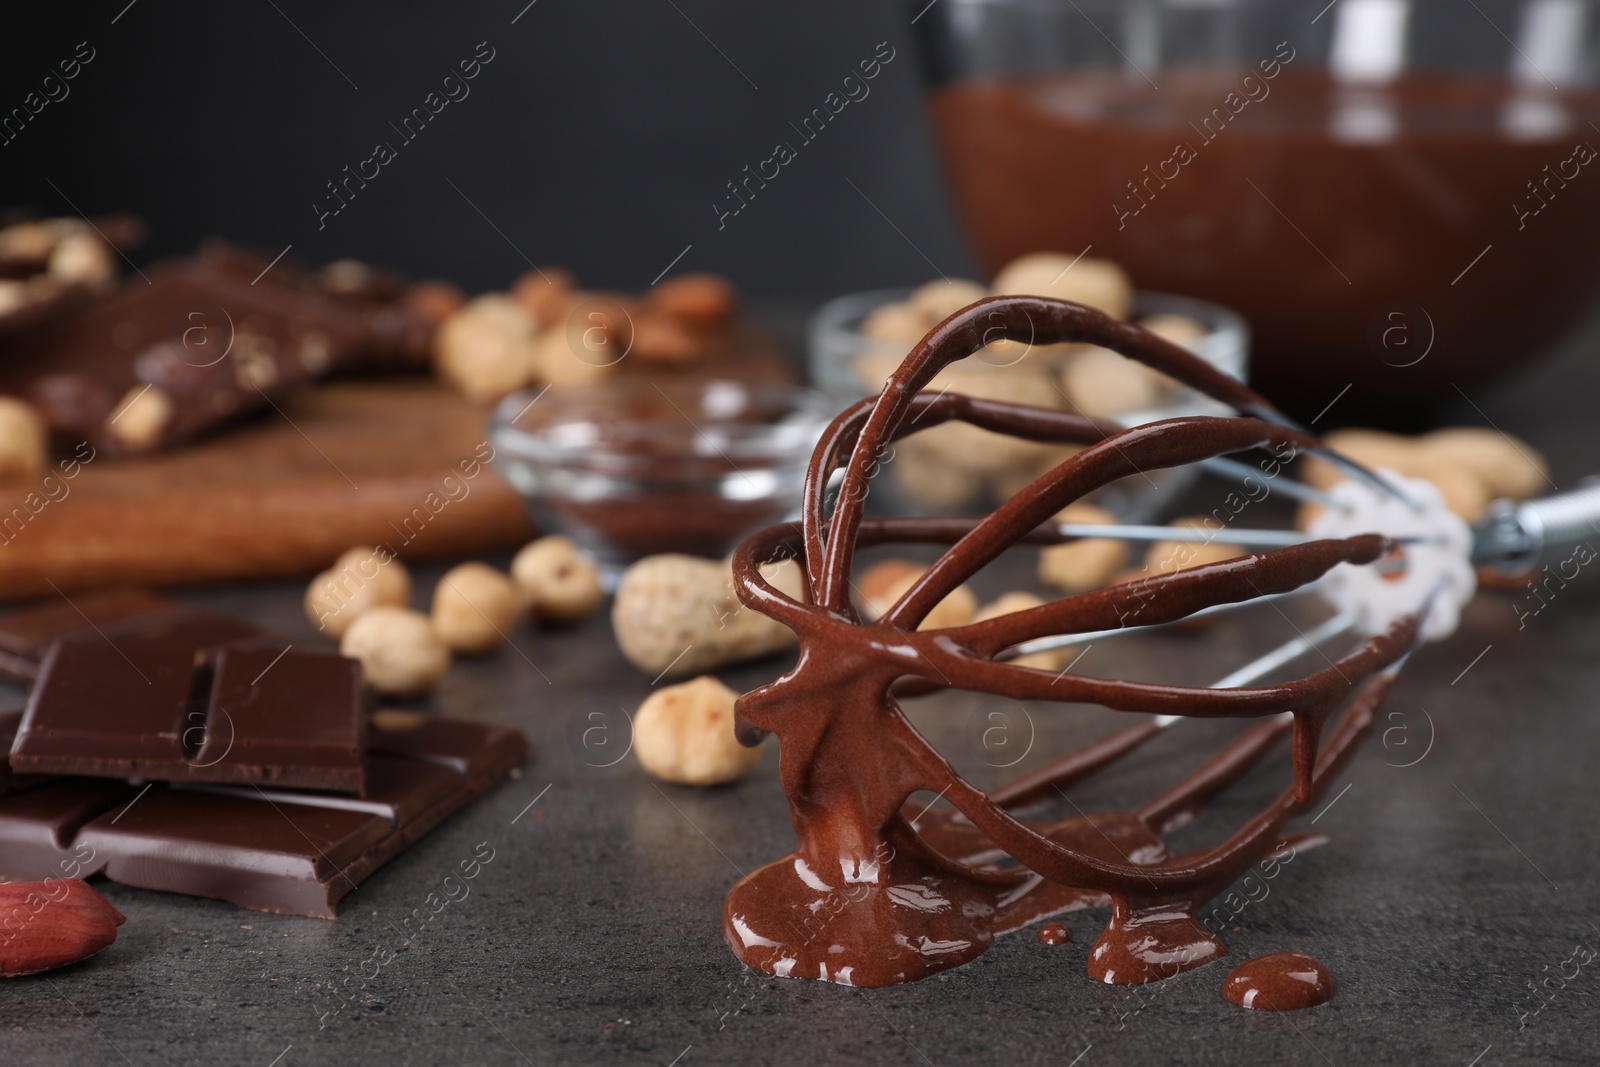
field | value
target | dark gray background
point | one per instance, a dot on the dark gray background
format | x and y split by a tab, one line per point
597	139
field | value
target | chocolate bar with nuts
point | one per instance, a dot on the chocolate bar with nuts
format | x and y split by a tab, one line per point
278	851
158	709
194	343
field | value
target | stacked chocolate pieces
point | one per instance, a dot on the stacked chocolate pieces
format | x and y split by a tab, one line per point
171	749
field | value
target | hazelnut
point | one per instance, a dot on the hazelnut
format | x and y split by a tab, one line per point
32	241
938	300
399	652
1464	491
140	420
13	295
1098	283
884	583
684	734
660	339
359	580
473	607
1019	600
1102	383
698	301
893	322
920	474
556	580
1090	563
557	362
544	293
83	257
486	349
433	301
24	443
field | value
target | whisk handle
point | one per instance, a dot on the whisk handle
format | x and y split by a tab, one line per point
1515	539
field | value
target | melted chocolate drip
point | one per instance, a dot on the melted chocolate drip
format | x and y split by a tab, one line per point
875	893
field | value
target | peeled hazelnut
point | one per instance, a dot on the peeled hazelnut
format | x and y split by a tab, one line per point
473	607
893	322
1098	283
1091	563
24	444
1179	329
359	580
53	923
938	300
684	734
83	257
884	583
141	418
557	363
13	295
486	349
659	339
544	293
1374	449
1165	557
400	653
1103	384
557	581
698	301
433	301
932	483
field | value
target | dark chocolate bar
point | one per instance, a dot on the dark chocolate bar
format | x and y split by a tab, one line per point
140	707
270	850
27	634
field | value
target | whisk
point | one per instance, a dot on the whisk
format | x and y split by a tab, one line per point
874	894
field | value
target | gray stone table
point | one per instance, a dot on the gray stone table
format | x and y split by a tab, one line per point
1448	889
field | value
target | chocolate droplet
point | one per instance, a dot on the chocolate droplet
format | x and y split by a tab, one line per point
1280	981
1054	934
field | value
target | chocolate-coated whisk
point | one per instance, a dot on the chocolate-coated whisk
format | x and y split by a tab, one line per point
876	894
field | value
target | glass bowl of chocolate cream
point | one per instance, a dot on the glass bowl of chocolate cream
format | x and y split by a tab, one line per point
955	466
1396	194
631	468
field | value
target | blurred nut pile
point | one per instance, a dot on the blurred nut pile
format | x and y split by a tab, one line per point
548	331
954	464
363	602
1470	465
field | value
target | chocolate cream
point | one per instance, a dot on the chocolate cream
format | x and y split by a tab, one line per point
869	897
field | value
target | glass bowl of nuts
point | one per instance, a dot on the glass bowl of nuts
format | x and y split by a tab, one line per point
856	340
630	468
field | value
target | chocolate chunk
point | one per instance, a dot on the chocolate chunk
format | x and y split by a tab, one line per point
295	853
147	708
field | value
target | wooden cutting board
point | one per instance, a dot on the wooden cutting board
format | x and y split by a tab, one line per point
342	464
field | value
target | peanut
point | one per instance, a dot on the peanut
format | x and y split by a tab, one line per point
1098	283
1165	557
679	614
1090	563
884	583
1010	603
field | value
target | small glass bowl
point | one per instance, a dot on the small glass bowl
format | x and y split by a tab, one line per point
634	468
844	363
